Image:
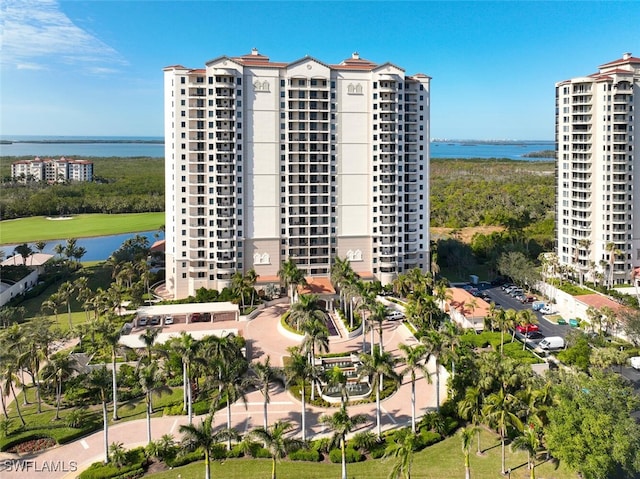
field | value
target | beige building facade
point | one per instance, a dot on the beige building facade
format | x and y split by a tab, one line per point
269	161
598	200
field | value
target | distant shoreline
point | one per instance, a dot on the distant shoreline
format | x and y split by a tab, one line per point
94	141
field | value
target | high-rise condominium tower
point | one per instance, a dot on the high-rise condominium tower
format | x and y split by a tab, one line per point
598	201
269	161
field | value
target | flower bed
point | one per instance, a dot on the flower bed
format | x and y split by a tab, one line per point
33	445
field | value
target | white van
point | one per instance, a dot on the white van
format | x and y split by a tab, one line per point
552	343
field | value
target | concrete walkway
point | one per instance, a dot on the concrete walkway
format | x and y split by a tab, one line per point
263	339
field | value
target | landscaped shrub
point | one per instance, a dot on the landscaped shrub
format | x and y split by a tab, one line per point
305	455
236	451
427	438
351	455
175	410
262	453
187	458
134	467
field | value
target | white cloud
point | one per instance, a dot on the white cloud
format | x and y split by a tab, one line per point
37	31
30	66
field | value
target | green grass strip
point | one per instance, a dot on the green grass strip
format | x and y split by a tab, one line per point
27	230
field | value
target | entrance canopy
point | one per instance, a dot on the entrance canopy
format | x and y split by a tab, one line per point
189	308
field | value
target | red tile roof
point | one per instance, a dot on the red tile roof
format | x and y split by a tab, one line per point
598	301
317	285
621	61
461	301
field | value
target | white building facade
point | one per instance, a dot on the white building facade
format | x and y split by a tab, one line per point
52	170
269	161
597	159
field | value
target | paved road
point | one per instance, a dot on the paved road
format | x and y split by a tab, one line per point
263	339
547	328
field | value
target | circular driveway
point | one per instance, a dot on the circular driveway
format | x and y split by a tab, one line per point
263	339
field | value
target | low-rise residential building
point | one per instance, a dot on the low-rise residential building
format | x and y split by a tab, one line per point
466	310
52	170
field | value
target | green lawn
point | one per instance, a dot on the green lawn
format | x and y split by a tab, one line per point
98	275
440	461
39	228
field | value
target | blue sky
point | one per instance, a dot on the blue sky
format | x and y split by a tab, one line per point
95	67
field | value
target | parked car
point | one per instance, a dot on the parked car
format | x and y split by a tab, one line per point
529	328
538	305
196	318
143	321
552	343
168	320
535	337
395	316
635	362
546	309
529	299
155	320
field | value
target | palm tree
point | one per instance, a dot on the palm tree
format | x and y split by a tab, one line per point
297	371
148	338
341	275
251	278
265	375
291	276
403	449
613	251
470	408
316	338
40	246
59	368
52	304
275	440
466	438
24	250
37	339
305	310
342	424
202	436
110	335
99	380
8	373
239	287
186	347
233	385
378	315
414	357
151	381
377	366
526	318
500	410
435	345
528	441
66	292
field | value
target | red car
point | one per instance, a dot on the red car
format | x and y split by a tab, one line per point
529	328
195	317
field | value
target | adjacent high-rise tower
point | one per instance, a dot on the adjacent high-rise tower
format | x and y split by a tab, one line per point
268	161
598	200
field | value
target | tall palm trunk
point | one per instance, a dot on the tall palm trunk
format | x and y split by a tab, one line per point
343	450
15	400
105	429
413	402
378	416
149	411
228	423
58	397
114	385
304	414
4	405
207	464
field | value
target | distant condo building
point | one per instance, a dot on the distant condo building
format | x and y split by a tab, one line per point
52	170
269	161
598	200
